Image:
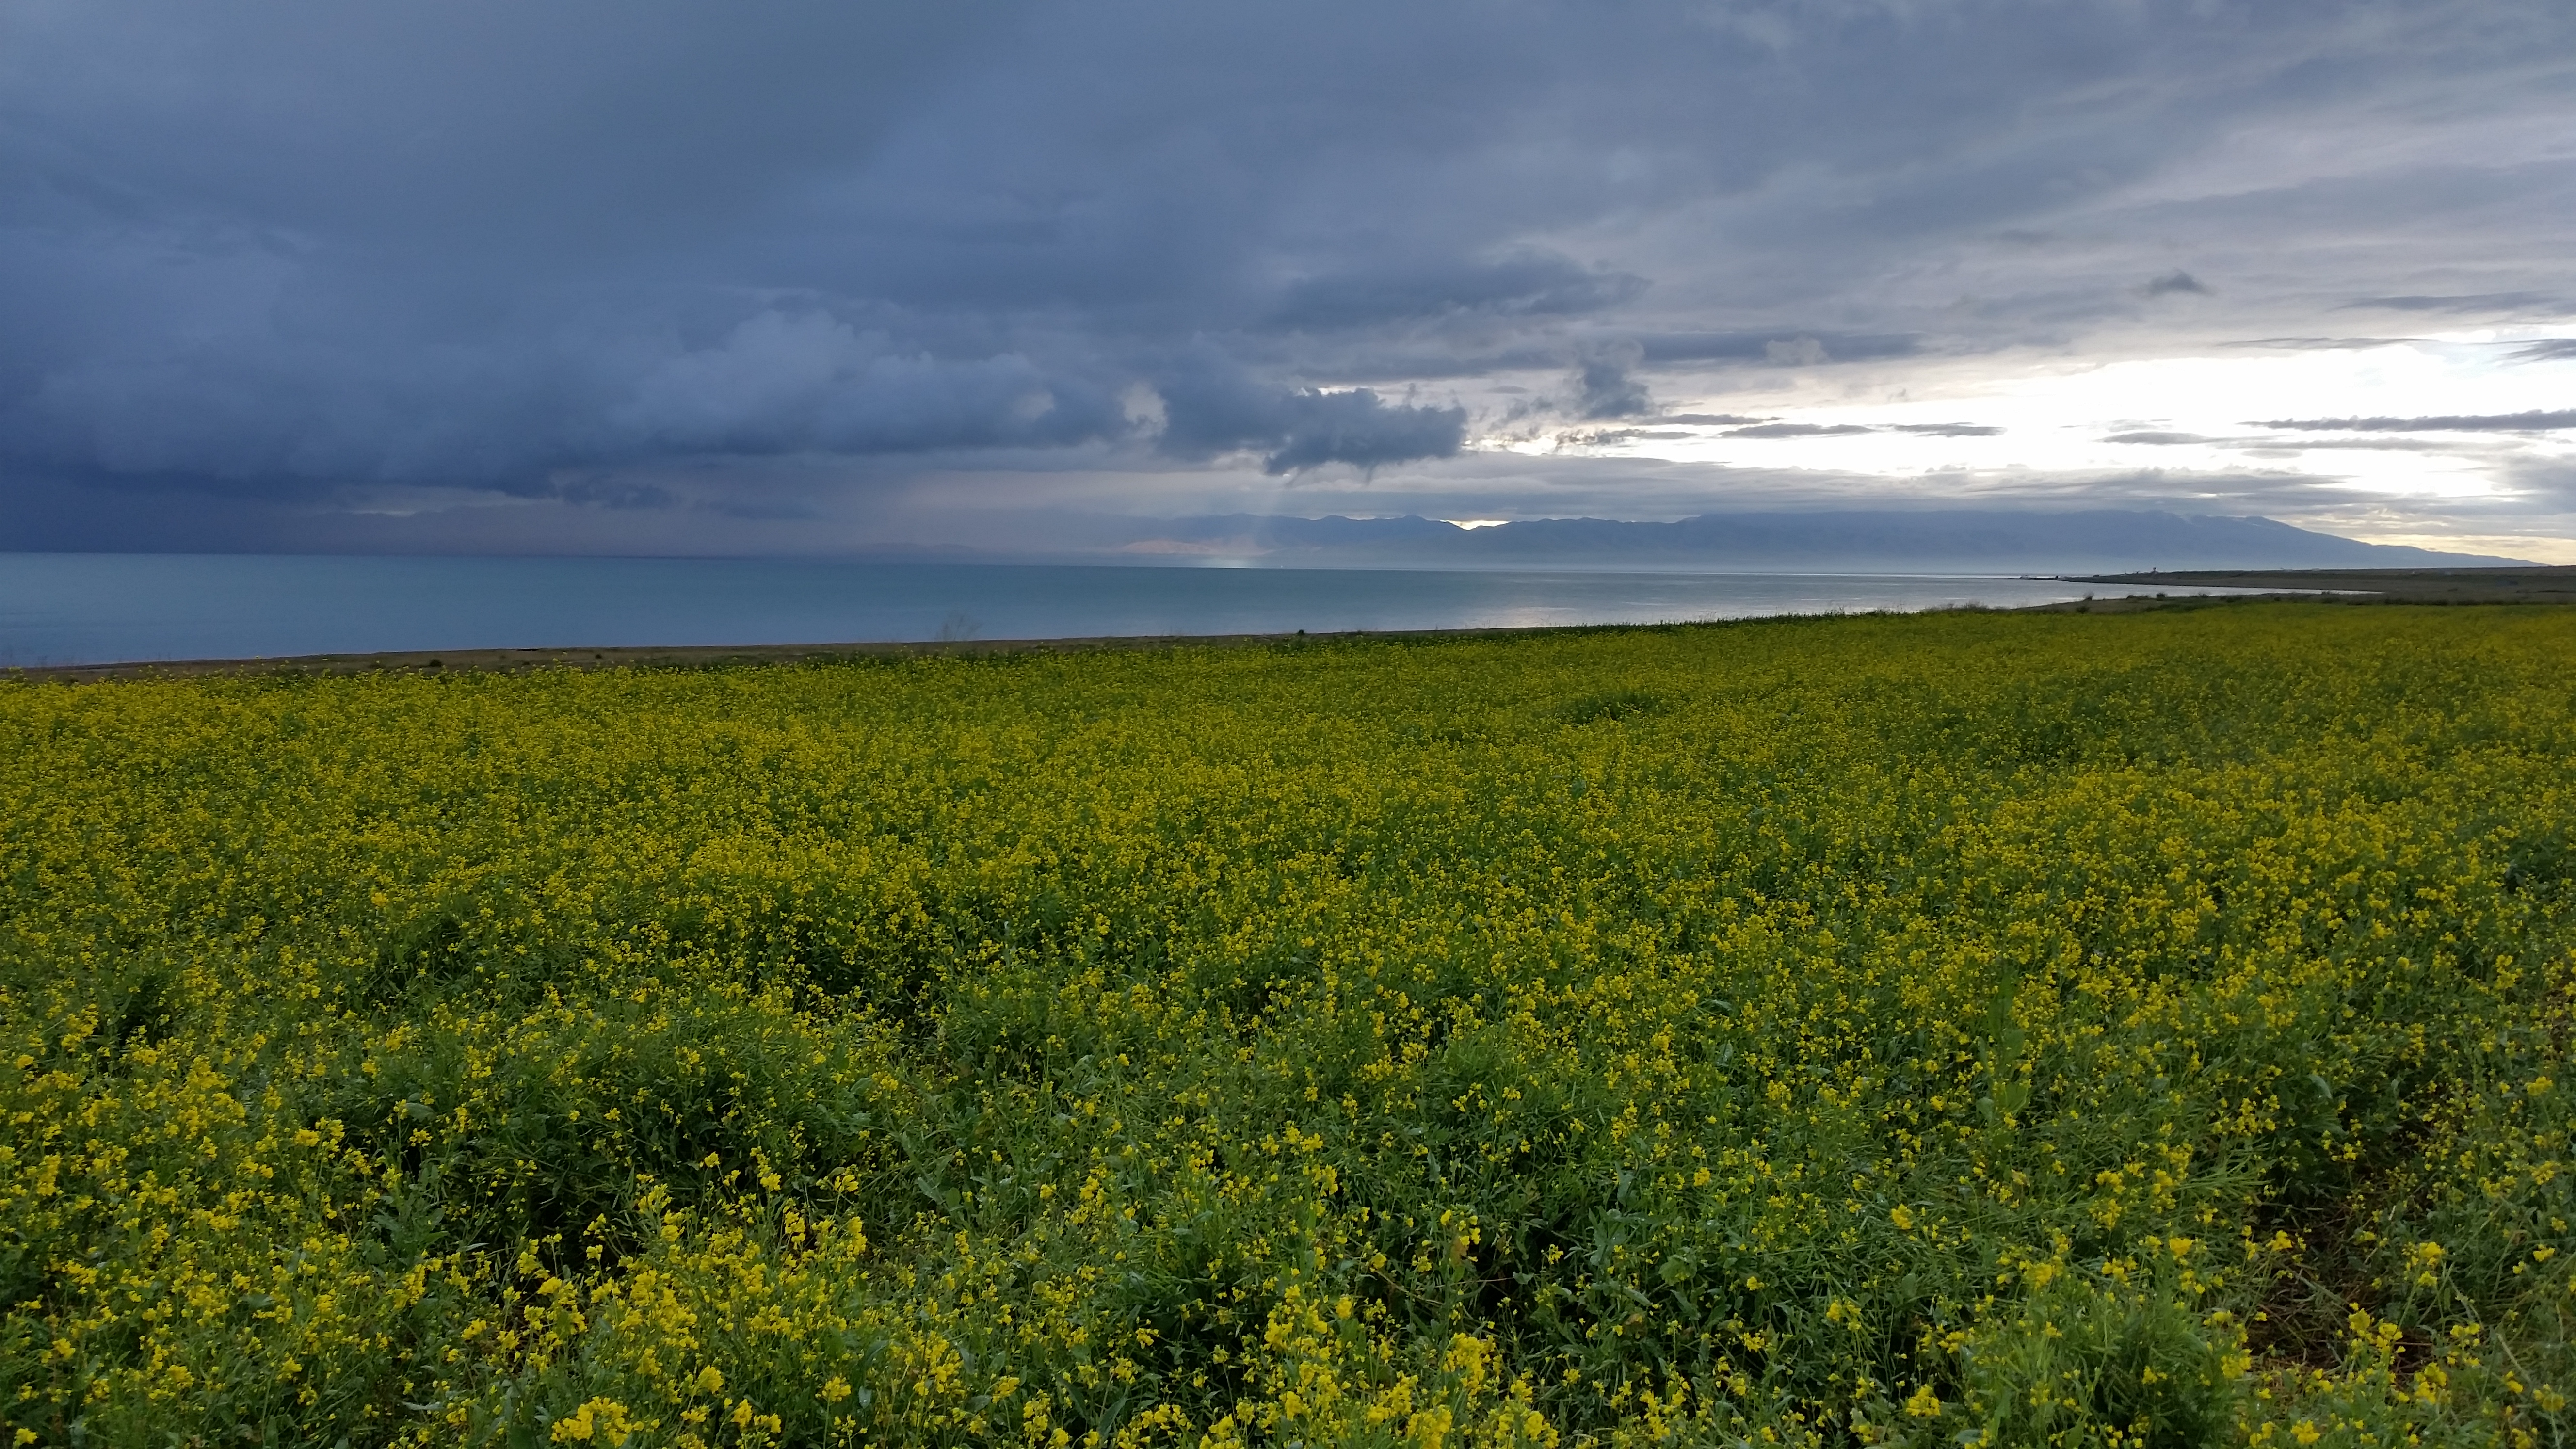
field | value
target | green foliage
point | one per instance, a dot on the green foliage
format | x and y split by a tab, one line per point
2123	1030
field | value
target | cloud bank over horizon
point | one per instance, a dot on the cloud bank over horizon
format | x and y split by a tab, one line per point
683	278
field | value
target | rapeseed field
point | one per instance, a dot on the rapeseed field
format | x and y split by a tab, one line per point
2143	1030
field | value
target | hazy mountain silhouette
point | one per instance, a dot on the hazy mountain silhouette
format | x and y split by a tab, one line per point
1941	540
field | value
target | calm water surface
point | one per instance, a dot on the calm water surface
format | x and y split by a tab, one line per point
119	608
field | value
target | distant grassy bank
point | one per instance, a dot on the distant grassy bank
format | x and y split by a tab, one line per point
1888	1029
2522	585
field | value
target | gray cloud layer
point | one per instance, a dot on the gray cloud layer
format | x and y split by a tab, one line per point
2453	423
306	256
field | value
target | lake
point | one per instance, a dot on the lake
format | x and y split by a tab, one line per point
124	608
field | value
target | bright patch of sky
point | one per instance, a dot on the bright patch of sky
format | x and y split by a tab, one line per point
2203	414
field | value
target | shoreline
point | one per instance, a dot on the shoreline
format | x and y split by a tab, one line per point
2539	585
714	656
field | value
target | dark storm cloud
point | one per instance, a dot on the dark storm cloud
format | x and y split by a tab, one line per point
298	252
1357	428
1212	410
2472	423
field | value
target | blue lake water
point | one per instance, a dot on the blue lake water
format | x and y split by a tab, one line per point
120	608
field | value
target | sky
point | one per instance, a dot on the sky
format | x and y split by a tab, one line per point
806	278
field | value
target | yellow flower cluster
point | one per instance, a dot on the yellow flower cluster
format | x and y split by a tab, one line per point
2122	1030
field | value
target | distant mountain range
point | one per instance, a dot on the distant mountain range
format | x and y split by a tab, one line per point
1970	540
